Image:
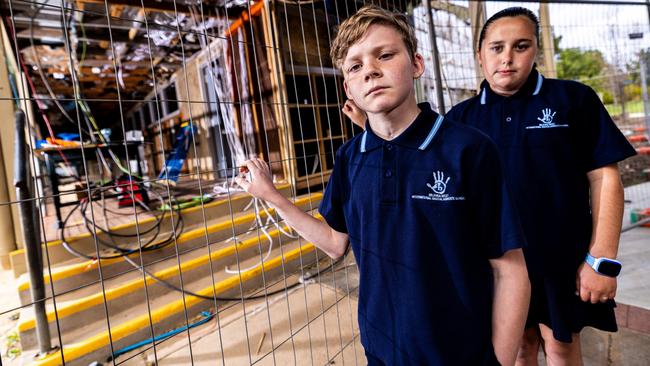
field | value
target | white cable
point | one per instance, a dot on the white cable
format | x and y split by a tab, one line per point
268	236
276	223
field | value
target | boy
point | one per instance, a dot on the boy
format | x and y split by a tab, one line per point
422	202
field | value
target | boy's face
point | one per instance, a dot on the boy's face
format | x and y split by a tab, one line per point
379	71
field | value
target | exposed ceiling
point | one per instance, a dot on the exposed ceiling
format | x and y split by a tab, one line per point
117	45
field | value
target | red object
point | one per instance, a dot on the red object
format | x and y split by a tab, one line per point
637	138
125	186
643	150
639	129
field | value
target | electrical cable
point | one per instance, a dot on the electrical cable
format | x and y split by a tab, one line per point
125	252
148	246
206	318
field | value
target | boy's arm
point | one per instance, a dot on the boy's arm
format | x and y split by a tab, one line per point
510	304
607	214
332	242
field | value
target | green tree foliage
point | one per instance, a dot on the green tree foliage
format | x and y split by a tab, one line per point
634	67
586	66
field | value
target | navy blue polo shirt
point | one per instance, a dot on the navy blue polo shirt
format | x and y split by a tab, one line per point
424	212
550	134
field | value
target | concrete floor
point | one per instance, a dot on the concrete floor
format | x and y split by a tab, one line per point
634	281
277	334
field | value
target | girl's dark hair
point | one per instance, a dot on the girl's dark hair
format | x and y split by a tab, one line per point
514	11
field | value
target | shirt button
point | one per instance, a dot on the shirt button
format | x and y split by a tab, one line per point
508	119
388	174
389	147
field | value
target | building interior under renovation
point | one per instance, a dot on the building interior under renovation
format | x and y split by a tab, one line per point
125	123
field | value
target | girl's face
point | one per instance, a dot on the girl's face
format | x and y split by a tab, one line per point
508	53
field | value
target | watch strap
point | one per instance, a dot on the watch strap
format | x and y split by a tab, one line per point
590	259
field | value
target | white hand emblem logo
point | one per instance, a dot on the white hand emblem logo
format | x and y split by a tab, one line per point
547	116
440	183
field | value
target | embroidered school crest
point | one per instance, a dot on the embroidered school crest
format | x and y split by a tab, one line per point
438	189
547	120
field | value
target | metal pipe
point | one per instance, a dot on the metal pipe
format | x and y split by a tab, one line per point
436	59
644	85
28	219
644	92
636	224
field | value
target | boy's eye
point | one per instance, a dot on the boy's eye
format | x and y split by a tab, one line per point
354	68
385	56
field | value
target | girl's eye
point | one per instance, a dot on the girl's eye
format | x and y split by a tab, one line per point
496	48
522	47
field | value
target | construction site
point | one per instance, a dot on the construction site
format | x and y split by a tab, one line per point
124	237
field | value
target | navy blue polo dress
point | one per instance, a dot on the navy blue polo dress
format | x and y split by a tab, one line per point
424	213
550	134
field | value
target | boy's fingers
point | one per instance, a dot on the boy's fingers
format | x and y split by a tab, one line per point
262	165
245	166
242	182
250	166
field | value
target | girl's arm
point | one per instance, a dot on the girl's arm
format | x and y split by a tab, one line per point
607	214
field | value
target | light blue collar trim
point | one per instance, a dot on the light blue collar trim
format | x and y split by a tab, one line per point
540	79
363	142
483	96
432	133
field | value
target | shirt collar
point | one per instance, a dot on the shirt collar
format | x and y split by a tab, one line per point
416	136
532	86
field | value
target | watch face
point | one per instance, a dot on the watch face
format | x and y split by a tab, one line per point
609	268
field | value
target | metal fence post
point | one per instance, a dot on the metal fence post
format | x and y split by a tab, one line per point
30	235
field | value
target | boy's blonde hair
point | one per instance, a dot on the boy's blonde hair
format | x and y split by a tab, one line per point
356	26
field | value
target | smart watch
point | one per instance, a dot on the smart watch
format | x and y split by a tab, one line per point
604	266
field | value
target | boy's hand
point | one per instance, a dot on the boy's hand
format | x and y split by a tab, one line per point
260	182
354	113
594	287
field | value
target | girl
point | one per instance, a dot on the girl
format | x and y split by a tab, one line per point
560	148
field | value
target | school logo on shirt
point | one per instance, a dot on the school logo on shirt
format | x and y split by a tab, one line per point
546	120
438	189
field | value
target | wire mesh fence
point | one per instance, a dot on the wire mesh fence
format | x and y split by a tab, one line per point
138	116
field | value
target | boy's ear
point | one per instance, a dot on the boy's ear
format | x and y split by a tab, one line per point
418	65
345	87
